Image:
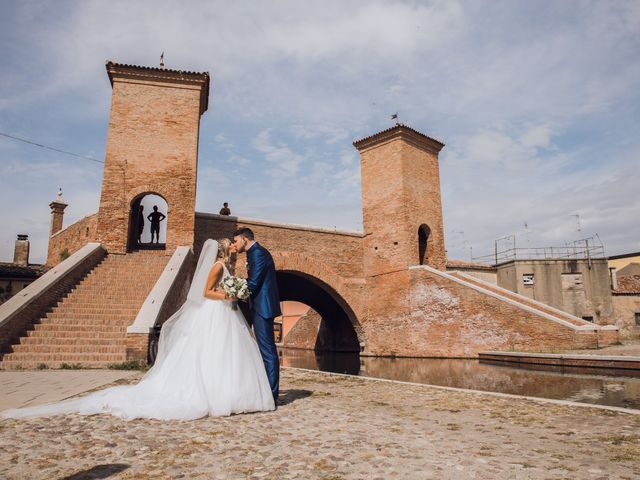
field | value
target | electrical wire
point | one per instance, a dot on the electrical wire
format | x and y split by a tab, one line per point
50	148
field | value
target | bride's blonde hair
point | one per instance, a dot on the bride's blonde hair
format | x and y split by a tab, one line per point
223	251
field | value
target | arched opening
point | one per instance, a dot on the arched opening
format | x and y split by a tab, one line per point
329	324
148	218
423	243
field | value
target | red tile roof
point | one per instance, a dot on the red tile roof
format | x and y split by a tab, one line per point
628	284
396	130
167	72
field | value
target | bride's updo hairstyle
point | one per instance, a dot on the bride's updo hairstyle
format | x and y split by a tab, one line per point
223	251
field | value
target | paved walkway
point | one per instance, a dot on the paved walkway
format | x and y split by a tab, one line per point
34	387
628	347
337	427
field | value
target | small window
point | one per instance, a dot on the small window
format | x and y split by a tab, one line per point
637	315
572	281
588	318
527	278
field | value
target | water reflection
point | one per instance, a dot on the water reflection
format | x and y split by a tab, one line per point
598	389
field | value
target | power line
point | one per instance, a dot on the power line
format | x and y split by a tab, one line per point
51	148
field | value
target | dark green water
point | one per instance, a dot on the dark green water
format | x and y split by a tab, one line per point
601	389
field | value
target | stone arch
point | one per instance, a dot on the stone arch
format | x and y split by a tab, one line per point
314	284
424	244
133	229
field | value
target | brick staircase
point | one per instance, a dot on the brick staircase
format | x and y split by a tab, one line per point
516	297
88	326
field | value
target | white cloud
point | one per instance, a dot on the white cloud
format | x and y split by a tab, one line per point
537	104
285	162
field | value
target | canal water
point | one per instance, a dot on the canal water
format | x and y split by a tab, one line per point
601	389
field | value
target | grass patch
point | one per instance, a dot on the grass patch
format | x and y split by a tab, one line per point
70	366
621	439
42	366
626	454
129	365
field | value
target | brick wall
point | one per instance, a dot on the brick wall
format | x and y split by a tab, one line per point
138	347
340	253
72	238
625	306
448	319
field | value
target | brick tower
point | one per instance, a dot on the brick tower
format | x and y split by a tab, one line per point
401	207
152	147
402	219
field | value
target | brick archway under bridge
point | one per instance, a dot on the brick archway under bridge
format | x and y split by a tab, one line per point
336	331
307	281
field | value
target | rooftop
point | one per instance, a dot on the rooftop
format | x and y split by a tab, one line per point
13	270
400	130
162	73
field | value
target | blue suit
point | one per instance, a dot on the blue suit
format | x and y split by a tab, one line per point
265	305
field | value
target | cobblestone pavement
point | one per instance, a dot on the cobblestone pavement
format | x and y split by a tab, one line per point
336	427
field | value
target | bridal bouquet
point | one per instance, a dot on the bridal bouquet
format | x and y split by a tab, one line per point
237	288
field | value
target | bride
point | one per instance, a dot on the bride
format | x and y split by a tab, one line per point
208	362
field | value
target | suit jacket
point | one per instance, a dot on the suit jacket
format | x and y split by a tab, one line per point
263	286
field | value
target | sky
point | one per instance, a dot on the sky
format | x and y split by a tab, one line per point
537	101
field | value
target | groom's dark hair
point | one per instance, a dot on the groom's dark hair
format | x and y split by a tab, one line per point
244	232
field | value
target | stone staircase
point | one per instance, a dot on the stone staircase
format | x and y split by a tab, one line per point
516	297
88	325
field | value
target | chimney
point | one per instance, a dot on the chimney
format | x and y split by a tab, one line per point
57	213
21	253
614	278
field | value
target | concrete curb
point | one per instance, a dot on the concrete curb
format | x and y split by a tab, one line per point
568	403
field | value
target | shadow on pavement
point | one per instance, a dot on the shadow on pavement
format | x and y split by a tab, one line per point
99	471
290	396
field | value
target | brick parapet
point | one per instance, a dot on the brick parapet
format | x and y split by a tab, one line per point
72	238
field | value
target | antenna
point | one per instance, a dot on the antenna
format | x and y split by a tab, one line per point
577	215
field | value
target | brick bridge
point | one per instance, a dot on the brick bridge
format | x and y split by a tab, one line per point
383	291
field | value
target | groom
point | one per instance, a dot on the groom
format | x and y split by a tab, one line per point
264	301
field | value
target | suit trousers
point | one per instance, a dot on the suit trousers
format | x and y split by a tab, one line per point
263	329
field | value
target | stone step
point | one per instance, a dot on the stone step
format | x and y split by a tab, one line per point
30	365
71	322
64	357
62	327
72	349
88	316
56	340
71	309
106	295
115	332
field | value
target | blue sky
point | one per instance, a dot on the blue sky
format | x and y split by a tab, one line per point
538	103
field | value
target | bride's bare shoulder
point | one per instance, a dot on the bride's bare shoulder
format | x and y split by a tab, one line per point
216	268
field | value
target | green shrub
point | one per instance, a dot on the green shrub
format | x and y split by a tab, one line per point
70	366
129	365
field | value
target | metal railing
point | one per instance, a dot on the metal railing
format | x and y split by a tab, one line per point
586	249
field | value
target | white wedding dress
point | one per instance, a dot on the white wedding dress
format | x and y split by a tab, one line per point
208	363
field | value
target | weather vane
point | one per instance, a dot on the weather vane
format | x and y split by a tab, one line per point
162	60
395	117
